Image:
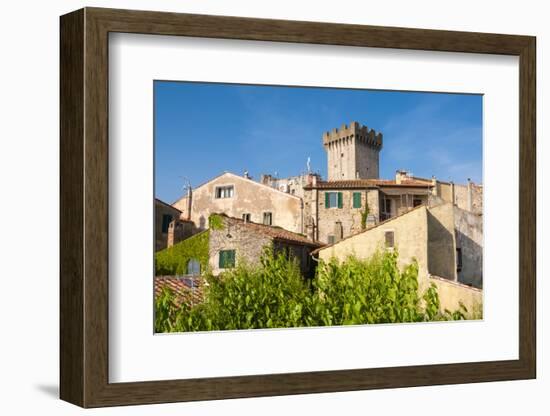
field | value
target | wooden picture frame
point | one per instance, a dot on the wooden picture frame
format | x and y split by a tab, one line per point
84	207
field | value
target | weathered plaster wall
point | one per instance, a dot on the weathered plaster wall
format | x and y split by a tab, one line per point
451	294
441	241
248	197
469	238
410	236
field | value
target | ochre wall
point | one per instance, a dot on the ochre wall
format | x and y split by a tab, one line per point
248	197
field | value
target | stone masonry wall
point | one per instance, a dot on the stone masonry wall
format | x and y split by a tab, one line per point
326	219
248	246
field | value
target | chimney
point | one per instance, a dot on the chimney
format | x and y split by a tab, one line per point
189	201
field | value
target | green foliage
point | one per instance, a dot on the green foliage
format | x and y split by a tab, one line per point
173	260
371	291
364	215
275	295
215	222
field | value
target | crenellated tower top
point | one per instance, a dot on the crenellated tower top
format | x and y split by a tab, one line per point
352	152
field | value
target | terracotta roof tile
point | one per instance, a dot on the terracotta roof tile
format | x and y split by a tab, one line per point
366	183
187	290
276	233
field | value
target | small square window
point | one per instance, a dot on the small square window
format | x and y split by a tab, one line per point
246	217
331	239
389	237
227	259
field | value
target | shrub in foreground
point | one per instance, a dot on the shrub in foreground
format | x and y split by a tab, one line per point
275	295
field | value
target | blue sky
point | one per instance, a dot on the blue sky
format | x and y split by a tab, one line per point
204	129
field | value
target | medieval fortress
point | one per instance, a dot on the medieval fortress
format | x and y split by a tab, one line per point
352	204
353	152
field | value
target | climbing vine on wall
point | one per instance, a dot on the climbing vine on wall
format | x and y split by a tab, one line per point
173	260
364	215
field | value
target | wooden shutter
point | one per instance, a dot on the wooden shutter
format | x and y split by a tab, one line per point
357	200
231	258
327	195
340	200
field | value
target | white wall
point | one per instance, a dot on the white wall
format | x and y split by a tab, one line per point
29	183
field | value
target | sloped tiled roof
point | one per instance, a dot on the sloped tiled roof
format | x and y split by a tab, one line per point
187	291
277	233
381	223
367	183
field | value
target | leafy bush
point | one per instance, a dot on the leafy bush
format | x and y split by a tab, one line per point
275	295
173	260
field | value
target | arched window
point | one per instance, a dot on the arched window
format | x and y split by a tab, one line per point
193	267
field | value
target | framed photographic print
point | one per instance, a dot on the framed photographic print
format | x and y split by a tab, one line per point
255	207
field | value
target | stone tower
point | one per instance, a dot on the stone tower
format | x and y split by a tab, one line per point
352	152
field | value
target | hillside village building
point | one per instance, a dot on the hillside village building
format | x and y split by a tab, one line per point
235	240
241	197
352	199
170	227
445	240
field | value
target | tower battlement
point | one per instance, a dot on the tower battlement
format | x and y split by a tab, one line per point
352	152
361	134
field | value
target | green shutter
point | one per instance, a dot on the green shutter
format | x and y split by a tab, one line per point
357	200
340	202
327	200
227	259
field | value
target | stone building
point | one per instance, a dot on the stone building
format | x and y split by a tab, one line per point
354	197
242	197
236	240
170	227
445	240
352	152
337	209
293	185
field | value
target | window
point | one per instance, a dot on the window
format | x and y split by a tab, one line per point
246	217
417	202
268	218
357	200
193	267
227	259
331	239
166	220
458	259
333	200
389	237
387	206
224	191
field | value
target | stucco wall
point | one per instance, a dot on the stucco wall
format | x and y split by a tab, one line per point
248	197
410	236
441	241
469	238
452	293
